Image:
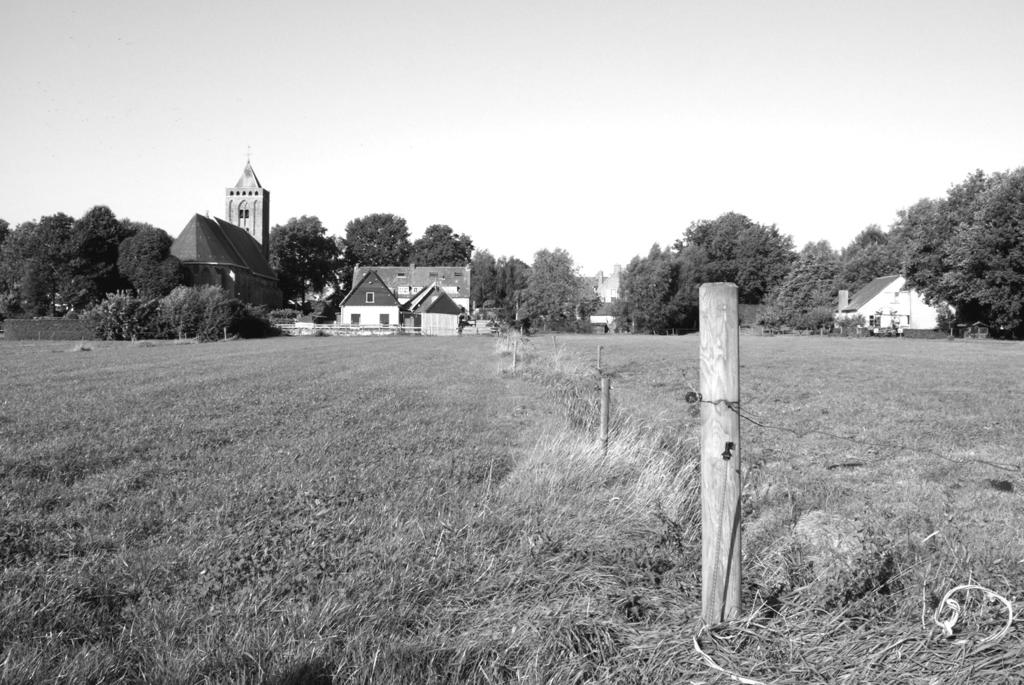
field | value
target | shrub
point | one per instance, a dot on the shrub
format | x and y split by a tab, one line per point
121	316
250	321
283	315
202	313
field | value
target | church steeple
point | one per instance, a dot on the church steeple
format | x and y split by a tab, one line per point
247	205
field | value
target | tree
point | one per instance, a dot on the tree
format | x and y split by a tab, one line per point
807	295
484	282
5	230
657	292
92	262
733	248
553	287
145	260
305	257
375	240
511	280
440	246
934	237
34	264
868	256
987	254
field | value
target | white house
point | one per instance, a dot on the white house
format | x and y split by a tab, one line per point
370	303
408	281
887	302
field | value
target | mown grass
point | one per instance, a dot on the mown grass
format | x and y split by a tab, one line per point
407	510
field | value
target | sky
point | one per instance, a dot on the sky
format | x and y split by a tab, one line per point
599	127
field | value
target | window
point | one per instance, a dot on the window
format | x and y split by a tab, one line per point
400	274
385	319
432	274
355	319
369	298
458	274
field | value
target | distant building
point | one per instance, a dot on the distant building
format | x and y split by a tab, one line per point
887	302
607	287
214	252
408	281
230	255
247	205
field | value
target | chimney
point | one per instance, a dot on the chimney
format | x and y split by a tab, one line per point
616	270
844	299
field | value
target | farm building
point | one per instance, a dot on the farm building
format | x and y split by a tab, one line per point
215	252
433	312
887	302
370	303
408	281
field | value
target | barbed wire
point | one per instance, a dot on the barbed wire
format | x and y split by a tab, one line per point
694	397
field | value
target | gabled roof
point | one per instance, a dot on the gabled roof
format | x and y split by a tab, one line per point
433	300
371	282
869	292
213	240
248	178
420	276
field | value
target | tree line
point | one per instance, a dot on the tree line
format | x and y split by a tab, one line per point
965	249
58	264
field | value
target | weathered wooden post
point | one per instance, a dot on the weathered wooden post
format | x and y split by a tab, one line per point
720	452
606	402
599	349
515	353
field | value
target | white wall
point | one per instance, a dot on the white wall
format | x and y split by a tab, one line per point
907	306
369	315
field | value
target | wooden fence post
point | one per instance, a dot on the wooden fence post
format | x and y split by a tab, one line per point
606	401
720	452
515	353
599	349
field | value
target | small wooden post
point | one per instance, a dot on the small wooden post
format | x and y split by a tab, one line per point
599	349
515	353
720	452
606	402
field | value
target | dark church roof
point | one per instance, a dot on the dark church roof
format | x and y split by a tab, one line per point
216	241
248	178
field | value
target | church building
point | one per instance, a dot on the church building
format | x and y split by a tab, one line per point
247	206
233	254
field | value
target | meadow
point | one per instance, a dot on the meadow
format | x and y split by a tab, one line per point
393	510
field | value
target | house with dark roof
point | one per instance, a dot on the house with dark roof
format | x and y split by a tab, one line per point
370	303
408	281
433	312
215	252
888	302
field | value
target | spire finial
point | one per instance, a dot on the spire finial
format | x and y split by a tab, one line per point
248	154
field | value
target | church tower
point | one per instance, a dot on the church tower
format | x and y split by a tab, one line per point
247	205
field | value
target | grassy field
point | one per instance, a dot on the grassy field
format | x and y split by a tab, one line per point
405	510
